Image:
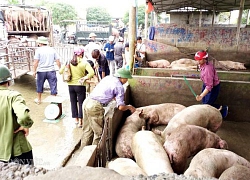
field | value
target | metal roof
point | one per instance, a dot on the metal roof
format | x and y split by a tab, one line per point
197	5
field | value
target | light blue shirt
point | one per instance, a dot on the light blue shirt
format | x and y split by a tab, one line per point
46	56
107	89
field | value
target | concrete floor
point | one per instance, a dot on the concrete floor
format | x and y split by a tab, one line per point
53	143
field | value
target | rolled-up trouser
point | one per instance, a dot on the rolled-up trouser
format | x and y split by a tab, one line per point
93	123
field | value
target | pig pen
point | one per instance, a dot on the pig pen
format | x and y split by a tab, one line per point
159	85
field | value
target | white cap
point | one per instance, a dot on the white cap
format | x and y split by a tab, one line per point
111	38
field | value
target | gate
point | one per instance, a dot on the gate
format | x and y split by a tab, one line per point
19	59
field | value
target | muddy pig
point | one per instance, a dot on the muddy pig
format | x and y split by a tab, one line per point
133	124
200	115
213	162
187	140
236	172
159	114
159	63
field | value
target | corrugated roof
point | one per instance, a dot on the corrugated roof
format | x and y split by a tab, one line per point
197	5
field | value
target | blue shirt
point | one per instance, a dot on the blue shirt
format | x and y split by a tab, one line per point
107	89
46	57
110	51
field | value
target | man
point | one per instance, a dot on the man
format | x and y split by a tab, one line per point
44	67
119	53
15	122
140	52
109	49
109	88
92	44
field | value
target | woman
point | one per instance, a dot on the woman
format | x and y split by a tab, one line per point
102	63
211	82
77	84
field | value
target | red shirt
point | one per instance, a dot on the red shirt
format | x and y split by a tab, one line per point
209	75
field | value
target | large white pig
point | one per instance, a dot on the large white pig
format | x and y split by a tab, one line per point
151	115
187	140
183	64
159	63
126	167
213	162
149	153
200	115
132	124
236	172
160	114
229	65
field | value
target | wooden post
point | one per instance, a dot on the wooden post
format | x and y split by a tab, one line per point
132	34
242	2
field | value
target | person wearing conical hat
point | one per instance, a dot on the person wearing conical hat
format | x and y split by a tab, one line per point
15	122
108	89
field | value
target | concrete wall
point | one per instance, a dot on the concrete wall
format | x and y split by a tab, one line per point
217	38
147	90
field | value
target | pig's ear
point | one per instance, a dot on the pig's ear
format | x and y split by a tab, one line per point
141	114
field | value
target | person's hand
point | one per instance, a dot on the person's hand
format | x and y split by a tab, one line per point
25	130
131	108
82	80
107	49
198	98
34	74
111	50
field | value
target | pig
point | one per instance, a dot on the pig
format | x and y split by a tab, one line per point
160	114
228	65
186	141
213	162
149	153
236	172
126	167
183	64
203	115
159	63
233	65
132	124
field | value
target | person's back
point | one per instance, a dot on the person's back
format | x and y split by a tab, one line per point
46	56
14	123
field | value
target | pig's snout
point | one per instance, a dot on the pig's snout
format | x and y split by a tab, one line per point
223	144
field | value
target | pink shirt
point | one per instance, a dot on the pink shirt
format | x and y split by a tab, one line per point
209	75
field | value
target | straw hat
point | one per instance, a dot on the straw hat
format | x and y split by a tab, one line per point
92	35
42	40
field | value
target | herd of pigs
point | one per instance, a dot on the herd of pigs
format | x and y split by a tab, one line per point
189	64
189	133
19	19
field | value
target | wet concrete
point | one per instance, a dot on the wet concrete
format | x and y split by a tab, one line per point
52	142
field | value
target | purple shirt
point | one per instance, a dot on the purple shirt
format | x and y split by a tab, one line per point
108	88
209	76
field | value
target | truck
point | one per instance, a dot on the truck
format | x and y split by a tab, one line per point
20	25
103	29
25	21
